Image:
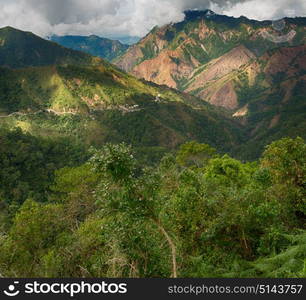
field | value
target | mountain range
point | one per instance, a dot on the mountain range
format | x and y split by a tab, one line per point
94	45
234	83
70	93
252	69
207	54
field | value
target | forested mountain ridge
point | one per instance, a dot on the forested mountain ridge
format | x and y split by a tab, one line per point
19	49
105	48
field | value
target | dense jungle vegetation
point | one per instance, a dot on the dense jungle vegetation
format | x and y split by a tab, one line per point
66	211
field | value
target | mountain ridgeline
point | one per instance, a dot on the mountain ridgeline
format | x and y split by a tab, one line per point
19	49
231	63
186	48
253	69
72	94
94	45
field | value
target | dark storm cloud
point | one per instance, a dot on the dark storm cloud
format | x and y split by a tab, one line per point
127	17
191	4
72	11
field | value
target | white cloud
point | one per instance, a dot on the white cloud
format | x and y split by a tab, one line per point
126	17
267	10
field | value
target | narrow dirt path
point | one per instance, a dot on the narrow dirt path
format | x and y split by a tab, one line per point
58	113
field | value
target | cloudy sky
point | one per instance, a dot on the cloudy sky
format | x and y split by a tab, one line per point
117	18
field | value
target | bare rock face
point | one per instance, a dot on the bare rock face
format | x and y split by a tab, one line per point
241	112
169	67
155	59
164	68
222	66
130	59
225	97
214	79
137	53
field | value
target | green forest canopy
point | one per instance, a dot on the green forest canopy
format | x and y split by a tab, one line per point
70	212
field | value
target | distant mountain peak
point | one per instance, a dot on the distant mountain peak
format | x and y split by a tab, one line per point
94	45
13	30
7	28
198	14
20	49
